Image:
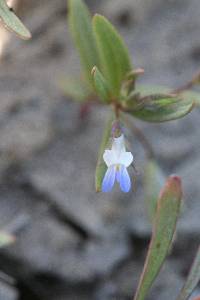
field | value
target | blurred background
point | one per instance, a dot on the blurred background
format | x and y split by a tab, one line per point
72	243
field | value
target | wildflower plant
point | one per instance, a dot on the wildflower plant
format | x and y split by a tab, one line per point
109	78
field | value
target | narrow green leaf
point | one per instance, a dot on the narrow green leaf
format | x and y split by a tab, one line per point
161	108
145	90
81	30
101	85
6	239
75	88
192	279
12	22
154	179
115	60
168	208
101	166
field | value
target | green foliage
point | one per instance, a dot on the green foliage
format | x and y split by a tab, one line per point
102	50
161	108
167	212
153	181
193	96
192	279
81	29
114	57
12	22
146	90
75	88
101	166
101	85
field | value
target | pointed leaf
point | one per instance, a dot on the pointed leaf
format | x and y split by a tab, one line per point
192	279
167	212
81	29
101	86
161	108
128	85
101	166
154	180
12	22
75	88
187	95
115	61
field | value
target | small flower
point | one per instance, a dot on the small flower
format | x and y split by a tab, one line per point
117	161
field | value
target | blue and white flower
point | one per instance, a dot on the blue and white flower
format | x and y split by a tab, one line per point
117	160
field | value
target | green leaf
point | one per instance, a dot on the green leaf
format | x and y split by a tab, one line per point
154	179
167	212
146	90
6	239
151	89
192	279
75	88
161	108
128	85
193	96
101	166
101	86
81	29
115	61
12	22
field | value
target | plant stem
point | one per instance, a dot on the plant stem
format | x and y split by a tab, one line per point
194	81
142	139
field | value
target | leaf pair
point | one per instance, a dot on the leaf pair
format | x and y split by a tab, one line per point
100	46
12	22
102	50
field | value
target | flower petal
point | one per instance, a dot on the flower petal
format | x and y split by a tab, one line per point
109	179
110	158
124	179
125	159
119	145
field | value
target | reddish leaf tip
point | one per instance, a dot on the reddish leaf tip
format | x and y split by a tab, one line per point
173	186
175	179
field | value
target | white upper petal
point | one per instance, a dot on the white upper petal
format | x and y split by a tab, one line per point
118	155
110	158
125	159
118	144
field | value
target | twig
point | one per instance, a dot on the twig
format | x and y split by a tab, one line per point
195	80
141	138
